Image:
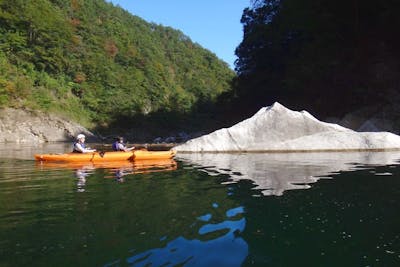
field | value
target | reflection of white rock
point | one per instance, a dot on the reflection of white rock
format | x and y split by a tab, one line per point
276	128
274	173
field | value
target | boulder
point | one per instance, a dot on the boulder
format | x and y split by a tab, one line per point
24	126
279	129
373	119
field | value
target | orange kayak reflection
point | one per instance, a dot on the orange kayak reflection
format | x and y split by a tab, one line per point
138	166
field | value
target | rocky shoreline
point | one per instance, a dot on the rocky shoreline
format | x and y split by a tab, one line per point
31	126
27	126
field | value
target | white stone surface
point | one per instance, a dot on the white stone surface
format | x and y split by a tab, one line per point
277	128
274	173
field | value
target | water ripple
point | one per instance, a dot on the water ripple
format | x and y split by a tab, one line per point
274	173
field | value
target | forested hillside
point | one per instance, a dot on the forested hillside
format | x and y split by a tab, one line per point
328	57
96	63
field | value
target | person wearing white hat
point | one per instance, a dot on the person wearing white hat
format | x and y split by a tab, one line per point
79	145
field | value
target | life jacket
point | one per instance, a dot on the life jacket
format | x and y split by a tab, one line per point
74	148
115	146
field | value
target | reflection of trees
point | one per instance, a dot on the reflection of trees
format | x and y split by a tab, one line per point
159	214
149	211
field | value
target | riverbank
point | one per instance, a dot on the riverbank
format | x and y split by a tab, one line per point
32	126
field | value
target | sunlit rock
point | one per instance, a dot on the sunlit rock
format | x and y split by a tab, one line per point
277	128
23	126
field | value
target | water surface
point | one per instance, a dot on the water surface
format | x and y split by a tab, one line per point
303	209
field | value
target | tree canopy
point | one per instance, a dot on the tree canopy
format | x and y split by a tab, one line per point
94	62
329	57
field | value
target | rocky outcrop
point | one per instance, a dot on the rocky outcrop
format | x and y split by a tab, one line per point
23	126
373	119
276	128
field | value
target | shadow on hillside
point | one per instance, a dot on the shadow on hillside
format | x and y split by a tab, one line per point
161	126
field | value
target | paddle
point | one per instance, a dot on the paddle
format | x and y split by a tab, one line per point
141	147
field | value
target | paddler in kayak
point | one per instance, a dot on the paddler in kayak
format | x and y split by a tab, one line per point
119	145
79	145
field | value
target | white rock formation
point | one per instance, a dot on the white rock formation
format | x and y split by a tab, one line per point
276	128
274	173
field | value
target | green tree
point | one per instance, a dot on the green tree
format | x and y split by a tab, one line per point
90	60
328	57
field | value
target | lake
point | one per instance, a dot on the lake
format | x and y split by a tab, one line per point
295	209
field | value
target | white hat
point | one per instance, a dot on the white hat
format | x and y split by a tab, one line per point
80	136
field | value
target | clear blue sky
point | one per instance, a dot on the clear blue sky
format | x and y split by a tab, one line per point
214	24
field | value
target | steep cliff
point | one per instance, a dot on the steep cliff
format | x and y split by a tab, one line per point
25	126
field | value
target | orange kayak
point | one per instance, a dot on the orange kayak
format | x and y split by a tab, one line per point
107	156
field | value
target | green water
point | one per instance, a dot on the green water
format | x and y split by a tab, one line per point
201	214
